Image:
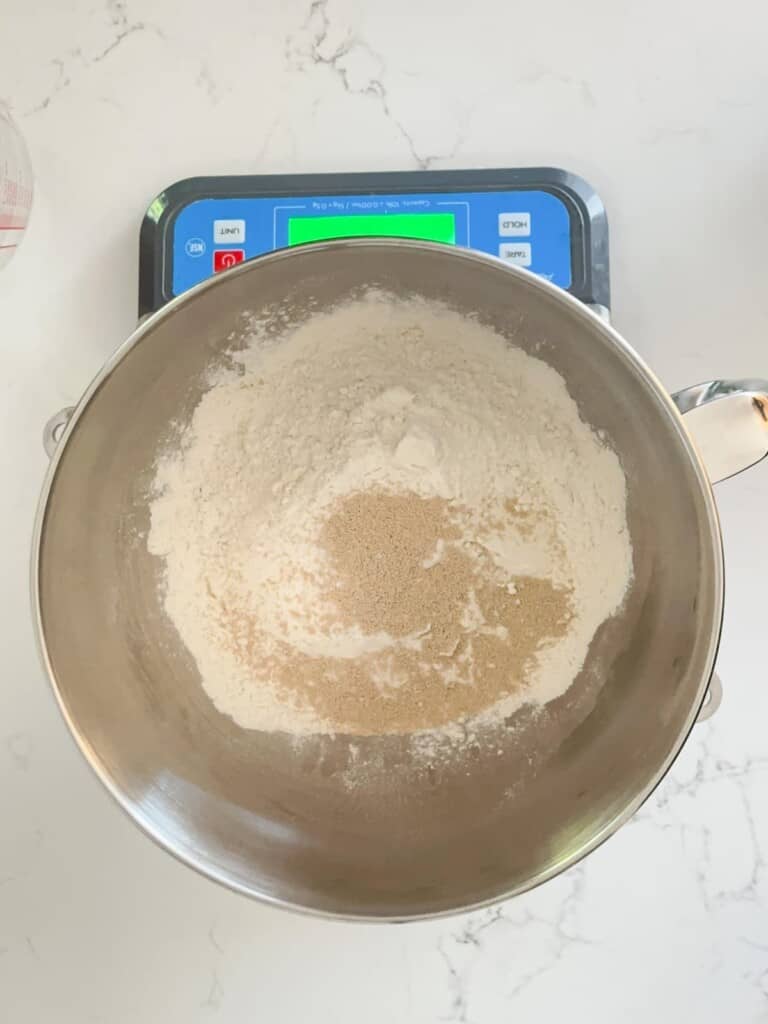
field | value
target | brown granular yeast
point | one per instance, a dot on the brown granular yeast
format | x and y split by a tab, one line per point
467	637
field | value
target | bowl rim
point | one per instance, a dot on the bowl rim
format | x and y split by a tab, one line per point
192	858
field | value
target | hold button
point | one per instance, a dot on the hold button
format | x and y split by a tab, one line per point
512	224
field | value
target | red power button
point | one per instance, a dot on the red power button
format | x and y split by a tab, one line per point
223	259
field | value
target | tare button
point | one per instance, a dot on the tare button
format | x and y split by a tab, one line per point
228	232
512	224
516	252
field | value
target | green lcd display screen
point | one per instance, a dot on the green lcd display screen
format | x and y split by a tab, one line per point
432	227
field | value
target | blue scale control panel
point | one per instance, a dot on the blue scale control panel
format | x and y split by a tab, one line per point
546	220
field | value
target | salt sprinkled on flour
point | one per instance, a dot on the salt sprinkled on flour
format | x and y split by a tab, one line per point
387	520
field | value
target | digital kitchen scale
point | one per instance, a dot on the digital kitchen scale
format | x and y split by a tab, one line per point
546	220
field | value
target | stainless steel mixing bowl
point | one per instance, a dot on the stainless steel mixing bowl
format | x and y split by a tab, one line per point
252	812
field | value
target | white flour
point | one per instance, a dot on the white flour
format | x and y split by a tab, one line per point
389	396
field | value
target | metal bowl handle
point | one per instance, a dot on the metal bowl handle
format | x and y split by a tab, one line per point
54	428
712	700
728	422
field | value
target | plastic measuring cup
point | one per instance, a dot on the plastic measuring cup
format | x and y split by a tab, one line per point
15	187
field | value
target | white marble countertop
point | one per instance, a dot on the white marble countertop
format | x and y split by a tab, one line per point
664	108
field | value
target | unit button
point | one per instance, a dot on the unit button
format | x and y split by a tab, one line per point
223	259
228	231
512	224
516	252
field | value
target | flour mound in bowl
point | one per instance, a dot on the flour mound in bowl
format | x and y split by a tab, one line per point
387	520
